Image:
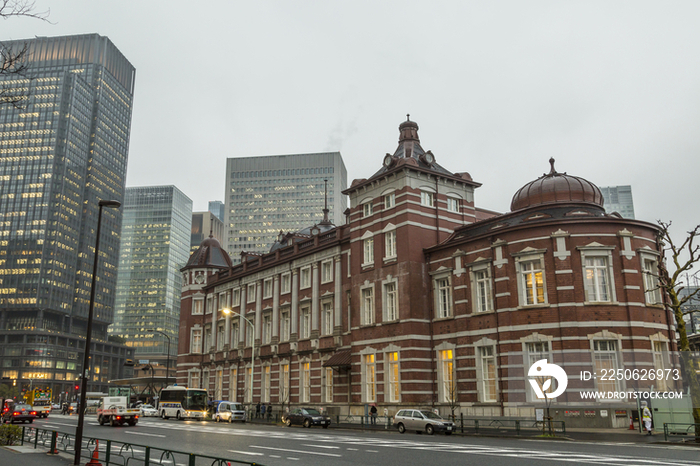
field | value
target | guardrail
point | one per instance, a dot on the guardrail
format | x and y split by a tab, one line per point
120	453
676	428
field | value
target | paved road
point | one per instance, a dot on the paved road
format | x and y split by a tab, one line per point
276	445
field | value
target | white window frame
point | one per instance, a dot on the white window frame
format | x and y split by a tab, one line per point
659	349
267	288
369	377
197	306
535	348
390	242
427	197
327	317
484	382
220	335
305	321
285	324
249	337
210	304
367	209
234	336
650	279
194	378
367	249
522	263
482	288
305	381
327	271
452	204
367	305
328	384
250	293
233	384
196	343
393	375
598	280
284	382
267	329
442	290
390	299
606	358
305	277
207	339
236	297
266	383
389	200
447	373
286	283
248	384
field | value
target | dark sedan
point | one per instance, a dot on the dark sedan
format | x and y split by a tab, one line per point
19	413
306	417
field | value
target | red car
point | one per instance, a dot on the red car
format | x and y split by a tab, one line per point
19	413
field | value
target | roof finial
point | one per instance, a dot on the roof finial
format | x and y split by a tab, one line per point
552	171
408	117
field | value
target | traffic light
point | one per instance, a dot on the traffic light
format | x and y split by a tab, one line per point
77	387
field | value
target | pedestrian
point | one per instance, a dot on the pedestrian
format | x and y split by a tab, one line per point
262	411
646	416
373	414
269	411
257	410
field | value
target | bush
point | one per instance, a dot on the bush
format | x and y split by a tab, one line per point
10	434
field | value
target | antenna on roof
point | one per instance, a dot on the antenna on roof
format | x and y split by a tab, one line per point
325	203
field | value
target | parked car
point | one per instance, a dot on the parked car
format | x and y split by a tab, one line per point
306	417
19	413
55	406
148	410
422	420
228	411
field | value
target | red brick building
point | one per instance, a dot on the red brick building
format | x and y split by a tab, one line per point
423	299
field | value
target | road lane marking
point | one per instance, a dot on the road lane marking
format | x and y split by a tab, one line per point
297	451
274	456
351	449
143	433
372	451
319	446
253	453
293	459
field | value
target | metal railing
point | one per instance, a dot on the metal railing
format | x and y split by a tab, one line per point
685	429
114	452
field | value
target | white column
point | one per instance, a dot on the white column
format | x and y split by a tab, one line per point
295	302
338	300
258	309
275	307
314	297
241	310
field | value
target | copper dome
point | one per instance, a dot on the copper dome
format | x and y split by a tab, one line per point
209	254
556	187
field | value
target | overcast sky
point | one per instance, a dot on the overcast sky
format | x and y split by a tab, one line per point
611	90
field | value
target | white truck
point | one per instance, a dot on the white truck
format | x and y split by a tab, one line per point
113	410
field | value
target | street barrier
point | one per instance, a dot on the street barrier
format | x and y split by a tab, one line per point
112	452
687	431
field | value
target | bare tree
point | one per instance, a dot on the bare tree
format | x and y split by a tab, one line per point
13	58
452	390
684	257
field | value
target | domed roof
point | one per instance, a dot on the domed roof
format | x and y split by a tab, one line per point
554	187
209	254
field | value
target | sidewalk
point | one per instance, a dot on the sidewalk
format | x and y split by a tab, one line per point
28	456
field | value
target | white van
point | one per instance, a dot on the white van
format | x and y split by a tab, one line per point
229	411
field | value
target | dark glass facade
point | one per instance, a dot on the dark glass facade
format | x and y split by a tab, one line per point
63	151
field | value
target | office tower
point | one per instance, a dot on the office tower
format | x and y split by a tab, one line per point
62	153
217	208
155	245
204	223
281	192
618	199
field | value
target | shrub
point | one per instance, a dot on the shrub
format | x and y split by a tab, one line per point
10	434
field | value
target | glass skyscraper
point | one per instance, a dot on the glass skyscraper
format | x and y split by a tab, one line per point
61	153
269	193
618	199
155	245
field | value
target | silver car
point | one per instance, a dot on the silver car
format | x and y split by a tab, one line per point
229	411
422	420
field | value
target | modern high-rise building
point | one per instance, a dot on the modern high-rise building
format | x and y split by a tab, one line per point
204	224
618	199
217	208
155	245
288	192
61	153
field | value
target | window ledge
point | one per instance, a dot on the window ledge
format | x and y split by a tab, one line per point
390	259
439	319
600	303
534	306
368	265
477	313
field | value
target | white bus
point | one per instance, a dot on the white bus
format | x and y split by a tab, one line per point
183	403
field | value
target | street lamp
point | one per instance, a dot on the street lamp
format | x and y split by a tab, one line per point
252	353
88	336
167	368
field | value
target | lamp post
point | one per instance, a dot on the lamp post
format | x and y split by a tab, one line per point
88	336
167	367
252	353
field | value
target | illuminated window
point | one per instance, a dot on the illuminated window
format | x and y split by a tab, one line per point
448	385
369	371
394	384
531	281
